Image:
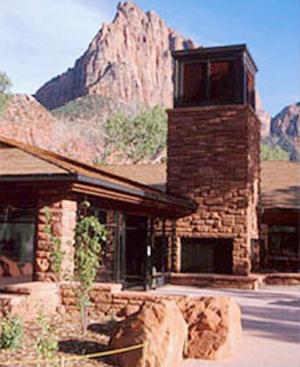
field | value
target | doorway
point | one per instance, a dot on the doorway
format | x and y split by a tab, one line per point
135	259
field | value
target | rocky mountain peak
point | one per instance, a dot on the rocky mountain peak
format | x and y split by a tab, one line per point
128	60
128	9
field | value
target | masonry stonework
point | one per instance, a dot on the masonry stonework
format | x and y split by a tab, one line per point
213	158
62	221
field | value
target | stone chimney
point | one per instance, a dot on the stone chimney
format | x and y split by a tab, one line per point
213	158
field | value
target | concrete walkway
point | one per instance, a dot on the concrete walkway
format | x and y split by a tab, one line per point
270	319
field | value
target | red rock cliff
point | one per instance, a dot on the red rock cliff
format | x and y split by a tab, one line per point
128	60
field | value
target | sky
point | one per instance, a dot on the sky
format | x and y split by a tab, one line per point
40	39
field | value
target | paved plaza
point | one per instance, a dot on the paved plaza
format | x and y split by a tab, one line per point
271	325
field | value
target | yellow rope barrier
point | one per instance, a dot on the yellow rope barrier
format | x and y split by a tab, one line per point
86	356
107	353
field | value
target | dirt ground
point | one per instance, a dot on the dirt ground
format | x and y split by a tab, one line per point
72	342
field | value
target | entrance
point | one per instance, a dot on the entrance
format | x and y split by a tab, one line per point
135	267
140	257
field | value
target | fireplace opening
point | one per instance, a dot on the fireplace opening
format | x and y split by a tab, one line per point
206	255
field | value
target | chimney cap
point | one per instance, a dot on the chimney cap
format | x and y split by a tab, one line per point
205	53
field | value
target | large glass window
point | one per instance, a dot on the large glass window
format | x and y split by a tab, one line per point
194	82
283	240
17	233
210	82
283	248
222	82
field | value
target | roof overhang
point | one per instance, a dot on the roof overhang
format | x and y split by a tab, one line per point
142	196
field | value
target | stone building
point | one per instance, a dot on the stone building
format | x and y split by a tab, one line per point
35	184
280	249
198	214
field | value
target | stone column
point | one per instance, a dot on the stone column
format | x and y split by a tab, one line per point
213	159
241	257
62	215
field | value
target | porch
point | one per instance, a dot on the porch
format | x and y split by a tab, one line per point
41	189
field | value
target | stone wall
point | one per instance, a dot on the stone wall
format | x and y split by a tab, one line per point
213	158
214	326
63	221
109	298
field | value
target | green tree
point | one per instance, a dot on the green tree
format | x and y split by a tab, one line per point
137	138
5	85
276	153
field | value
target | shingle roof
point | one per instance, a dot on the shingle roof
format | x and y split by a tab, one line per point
279	180
19	161
280	184
154	175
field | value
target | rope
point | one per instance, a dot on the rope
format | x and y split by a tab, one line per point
76	358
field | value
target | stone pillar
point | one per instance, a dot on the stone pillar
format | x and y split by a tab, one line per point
177	255
175	249
62	215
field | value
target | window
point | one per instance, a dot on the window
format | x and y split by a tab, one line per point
194	82
222	82
283	240
17	233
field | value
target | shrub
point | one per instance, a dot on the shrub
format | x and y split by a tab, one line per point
46	343
276	153
11	333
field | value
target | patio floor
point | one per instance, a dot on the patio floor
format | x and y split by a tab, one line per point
271	325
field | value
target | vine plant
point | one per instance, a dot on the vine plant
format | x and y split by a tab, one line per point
90	234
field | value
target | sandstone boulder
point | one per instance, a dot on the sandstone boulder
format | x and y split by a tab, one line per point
162	325
214	327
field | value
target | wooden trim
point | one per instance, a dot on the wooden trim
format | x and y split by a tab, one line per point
173	209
